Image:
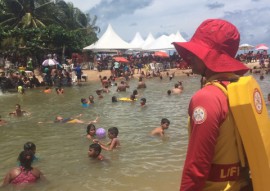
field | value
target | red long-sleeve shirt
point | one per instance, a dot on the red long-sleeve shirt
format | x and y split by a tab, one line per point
208	109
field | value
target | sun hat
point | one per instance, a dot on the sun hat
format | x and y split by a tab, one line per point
216	43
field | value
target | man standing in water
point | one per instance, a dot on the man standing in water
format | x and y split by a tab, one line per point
213	155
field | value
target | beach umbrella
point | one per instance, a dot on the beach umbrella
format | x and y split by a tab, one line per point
120	59
262	47
161	54
246	47
49	62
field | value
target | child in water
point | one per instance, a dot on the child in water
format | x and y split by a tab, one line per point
94	152
18	112
114	99
133	97
30	146
114	143
60	119
59	90
91	131
143	102
91	99
84	102
47	90
100	96
160	131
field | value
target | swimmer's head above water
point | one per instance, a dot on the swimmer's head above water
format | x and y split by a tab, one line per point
58	119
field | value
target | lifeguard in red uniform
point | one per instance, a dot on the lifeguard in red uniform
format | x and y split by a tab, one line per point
215	159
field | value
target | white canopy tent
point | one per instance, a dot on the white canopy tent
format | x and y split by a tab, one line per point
179	37
149	39
164	42
137	41
161	43
109	41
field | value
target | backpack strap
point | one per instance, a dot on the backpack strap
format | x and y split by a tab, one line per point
239	143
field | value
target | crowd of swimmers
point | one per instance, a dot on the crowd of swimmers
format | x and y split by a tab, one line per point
25	173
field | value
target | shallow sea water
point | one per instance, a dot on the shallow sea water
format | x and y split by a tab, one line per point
143	163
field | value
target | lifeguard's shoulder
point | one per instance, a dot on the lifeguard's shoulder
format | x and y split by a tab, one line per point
210	91
210	95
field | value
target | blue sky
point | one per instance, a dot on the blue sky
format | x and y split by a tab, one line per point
169	16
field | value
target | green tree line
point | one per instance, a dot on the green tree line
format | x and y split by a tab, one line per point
39	27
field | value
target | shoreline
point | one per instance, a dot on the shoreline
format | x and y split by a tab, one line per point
93	75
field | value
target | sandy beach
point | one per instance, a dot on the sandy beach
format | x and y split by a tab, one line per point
93	75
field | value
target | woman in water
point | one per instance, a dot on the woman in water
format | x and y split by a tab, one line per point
25	173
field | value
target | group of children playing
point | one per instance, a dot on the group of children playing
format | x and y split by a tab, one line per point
24	173
97	146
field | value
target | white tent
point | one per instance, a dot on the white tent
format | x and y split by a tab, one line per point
137	41
179	37
109	41
161	43
149	39
164	42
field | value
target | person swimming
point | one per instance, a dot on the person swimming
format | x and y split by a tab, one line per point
18	112
84	102
25	173
114	99
60	119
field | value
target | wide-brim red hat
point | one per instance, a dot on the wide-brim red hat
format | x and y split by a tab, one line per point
216	43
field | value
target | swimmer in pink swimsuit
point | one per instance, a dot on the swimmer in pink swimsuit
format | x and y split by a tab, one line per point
24	174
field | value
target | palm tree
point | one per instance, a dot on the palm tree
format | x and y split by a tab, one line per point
74	19
21	15
26	13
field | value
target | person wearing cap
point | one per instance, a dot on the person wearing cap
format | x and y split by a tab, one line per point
214	150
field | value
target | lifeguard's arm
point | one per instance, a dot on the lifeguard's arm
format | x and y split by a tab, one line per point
205	118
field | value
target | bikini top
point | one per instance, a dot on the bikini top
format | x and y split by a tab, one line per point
25	176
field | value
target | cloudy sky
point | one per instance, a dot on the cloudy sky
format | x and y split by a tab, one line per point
169	16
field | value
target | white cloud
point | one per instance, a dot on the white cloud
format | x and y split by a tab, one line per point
164	17
84	5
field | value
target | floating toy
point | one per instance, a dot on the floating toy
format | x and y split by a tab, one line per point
126	99
101	133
